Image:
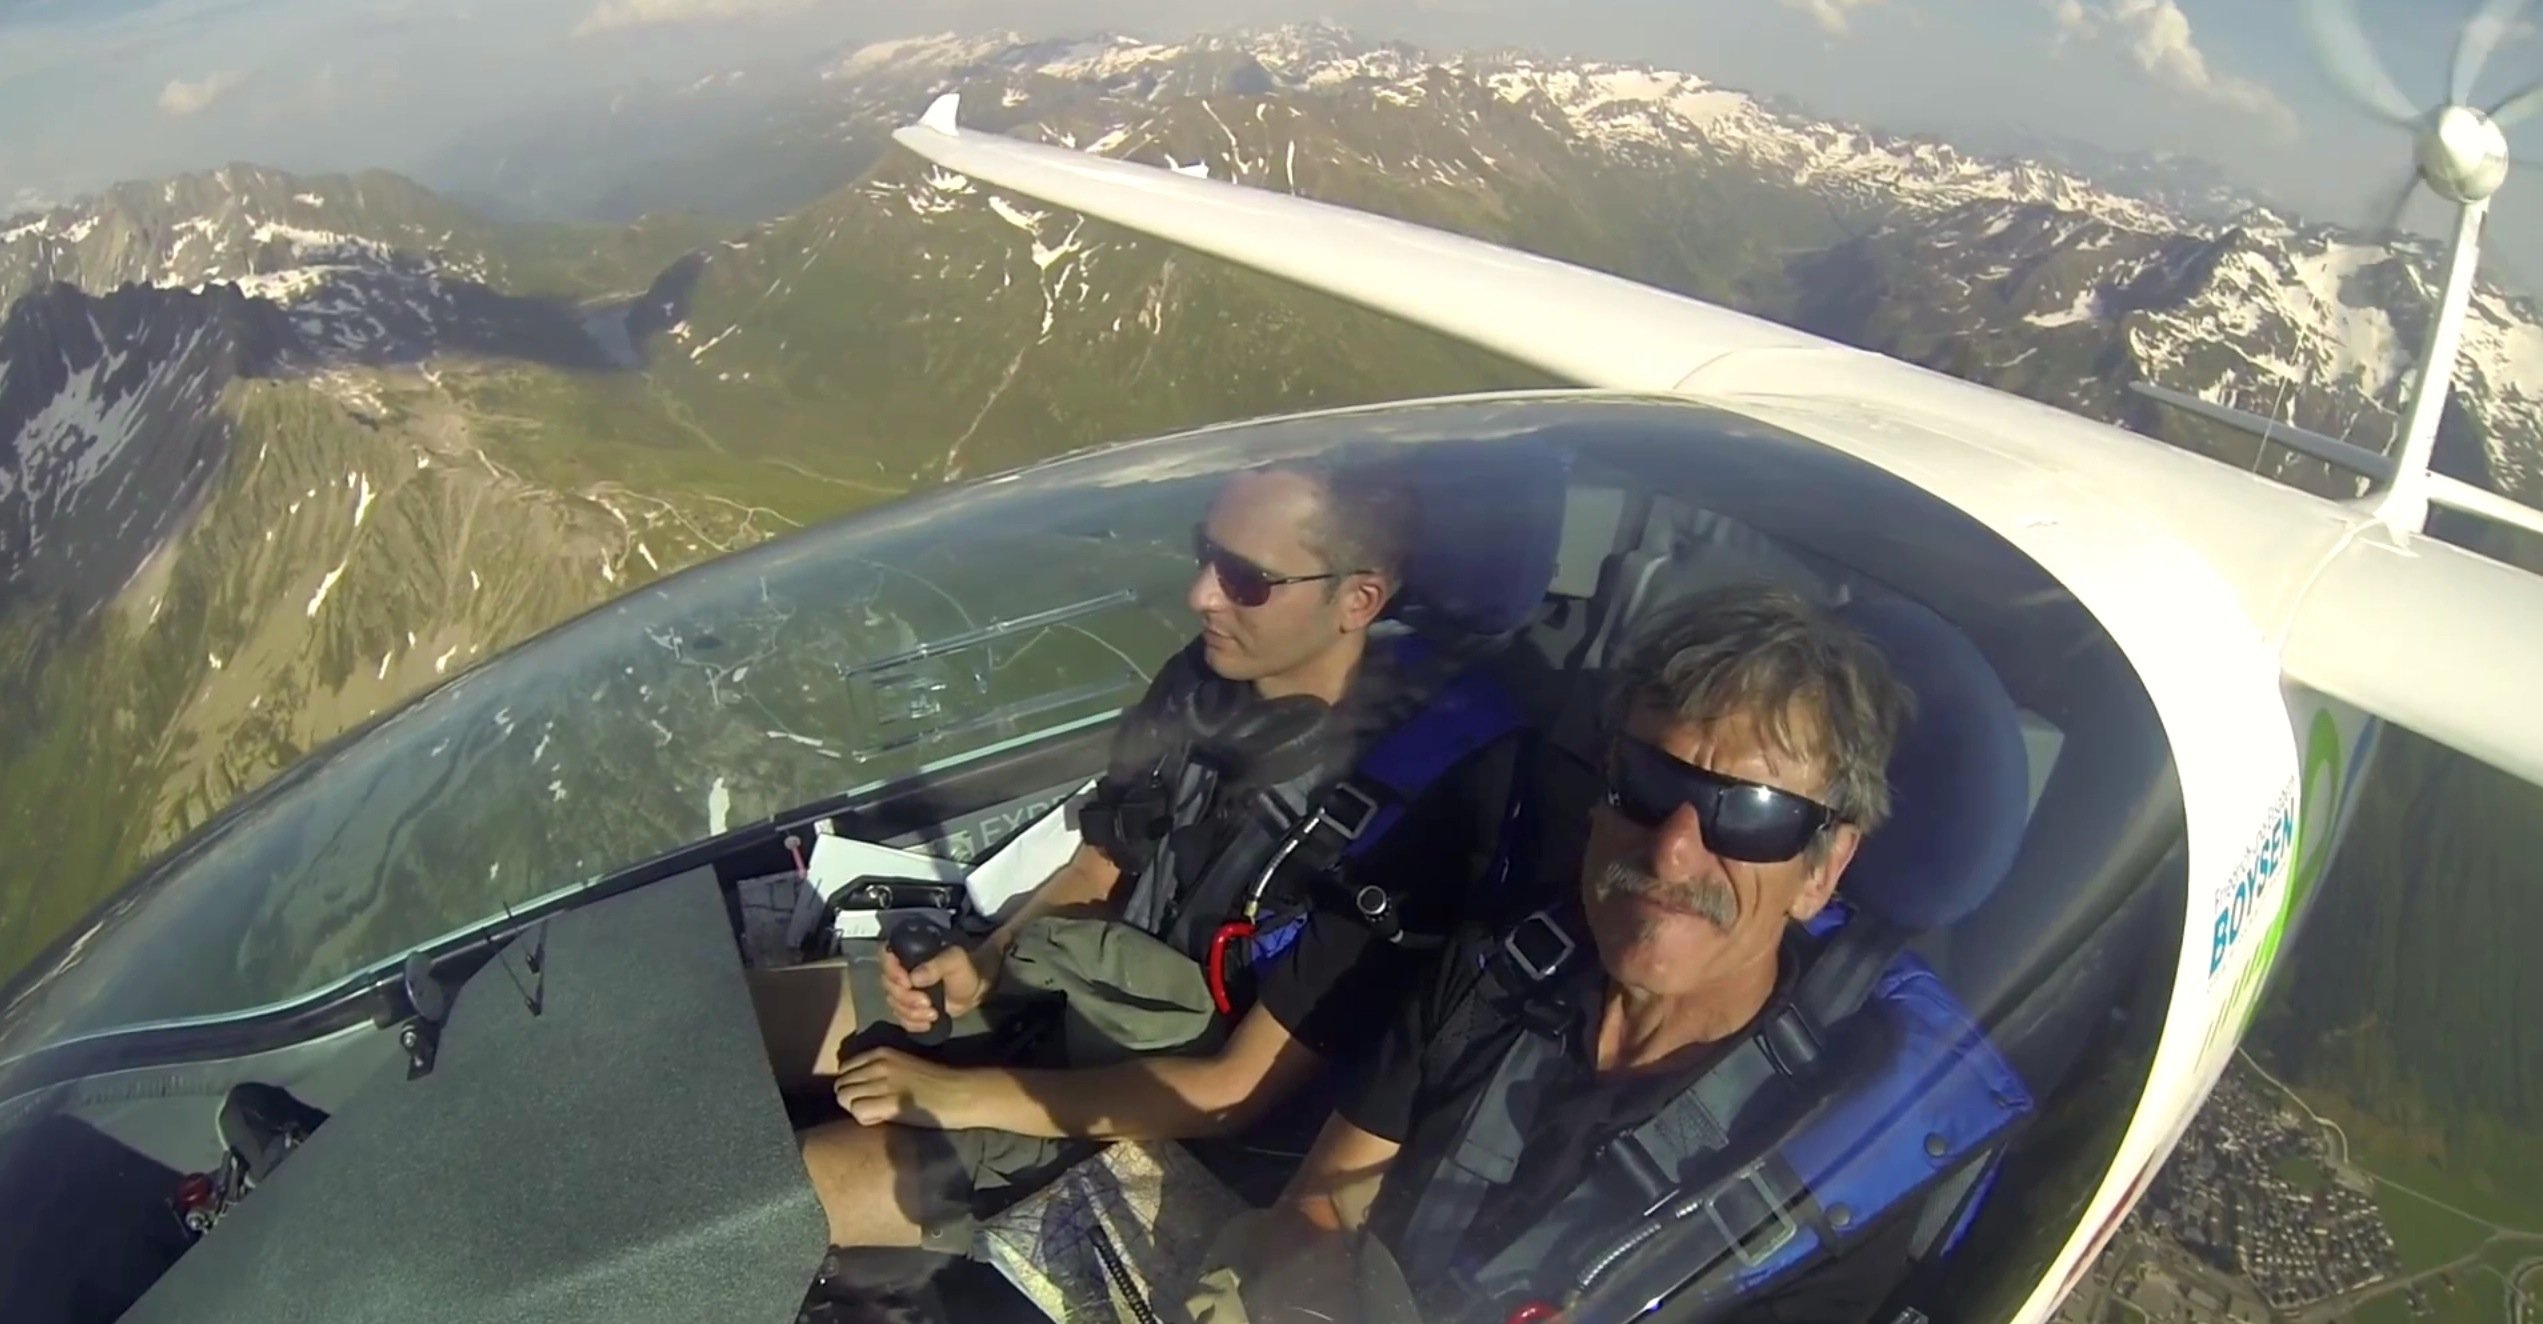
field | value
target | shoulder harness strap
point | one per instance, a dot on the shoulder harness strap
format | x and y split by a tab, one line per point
1353	814
1908	1108
1733	1195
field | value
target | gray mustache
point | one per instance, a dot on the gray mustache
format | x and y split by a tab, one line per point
1708	900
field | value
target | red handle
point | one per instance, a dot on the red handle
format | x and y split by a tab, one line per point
1216	968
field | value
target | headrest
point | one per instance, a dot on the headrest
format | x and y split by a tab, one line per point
1491	523
1959	780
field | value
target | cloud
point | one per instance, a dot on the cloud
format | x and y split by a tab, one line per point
615	15
181	98
1834	17
2156	36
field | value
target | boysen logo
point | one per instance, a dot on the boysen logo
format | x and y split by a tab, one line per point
2330	776
2254	879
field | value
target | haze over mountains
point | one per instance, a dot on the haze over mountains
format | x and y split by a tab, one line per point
278	452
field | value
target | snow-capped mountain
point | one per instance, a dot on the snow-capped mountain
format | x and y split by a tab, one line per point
1717	192
137	310
238	223
2287	320
373	268
108	431
1636	114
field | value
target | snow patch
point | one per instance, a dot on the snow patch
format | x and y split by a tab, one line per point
2087	306
319	598
267	232
940	49
362	503
66	444
309	199
1043	257
1103	60
1028	221
442	664
720	338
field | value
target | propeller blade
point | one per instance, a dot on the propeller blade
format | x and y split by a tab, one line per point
2519	107
2351	62
2481	37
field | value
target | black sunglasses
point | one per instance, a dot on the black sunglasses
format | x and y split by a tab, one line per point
1742	820
1245	583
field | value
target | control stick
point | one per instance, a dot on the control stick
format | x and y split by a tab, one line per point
915	941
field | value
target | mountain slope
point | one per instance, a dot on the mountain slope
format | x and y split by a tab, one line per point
243	506
243	222
2297	321
107	432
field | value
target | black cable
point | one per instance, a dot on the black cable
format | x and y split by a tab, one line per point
1119	1273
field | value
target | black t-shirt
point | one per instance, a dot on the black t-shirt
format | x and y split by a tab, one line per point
1441	1052
1335	987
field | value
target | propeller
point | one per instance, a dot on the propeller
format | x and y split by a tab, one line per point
2463	149
2481	36
2462	156
2352	63
2519	108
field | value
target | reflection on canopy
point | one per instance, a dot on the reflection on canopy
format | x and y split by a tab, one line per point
973	643
839	657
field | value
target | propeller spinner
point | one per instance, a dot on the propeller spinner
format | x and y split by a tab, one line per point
2463	154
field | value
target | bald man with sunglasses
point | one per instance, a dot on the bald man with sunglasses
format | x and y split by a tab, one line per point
1742	763
1163	1038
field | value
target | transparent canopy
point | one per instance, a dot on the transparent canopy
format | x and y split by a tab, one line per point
965	629
859	652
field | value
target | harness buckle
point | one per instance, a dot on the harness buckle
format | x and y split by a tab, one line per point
1347	810
1784	1228
1526	933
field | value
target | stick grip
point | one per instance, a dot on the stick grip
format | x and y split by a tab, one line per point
914	942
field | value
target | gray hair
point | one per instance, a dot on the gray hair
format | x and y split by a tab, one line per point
1819	691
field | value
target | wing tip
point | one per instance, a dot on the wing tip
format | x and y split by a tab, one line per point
941	115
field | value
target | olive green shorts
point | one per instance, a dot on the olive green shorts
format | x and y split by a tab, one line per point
1114	991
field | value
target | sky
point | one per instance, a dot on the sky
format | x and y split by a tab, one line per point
92	91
